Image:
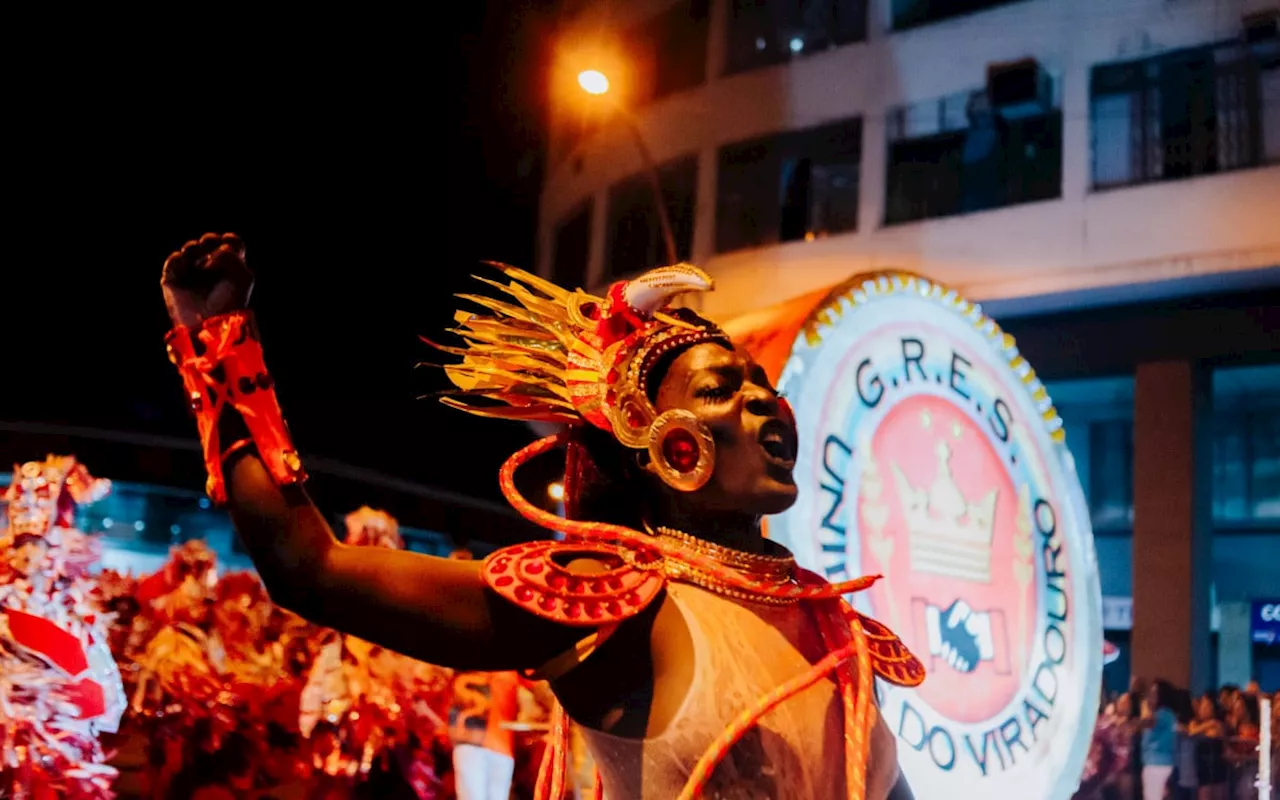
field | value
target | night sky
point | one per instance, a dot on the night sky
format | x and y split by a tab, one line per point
369	164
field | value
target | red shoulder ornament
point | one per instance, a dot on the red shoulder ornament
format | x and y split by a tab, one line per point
890	658
537	578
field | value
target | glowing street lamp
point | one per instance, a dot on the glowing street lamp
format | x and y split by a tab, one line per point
593	81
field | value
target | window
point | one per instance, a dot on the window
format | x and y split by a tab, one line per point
670	50
571	252
1246	466
766	32
960	154
1111	474
1246	444
795	185
635	234
914	13
1191	112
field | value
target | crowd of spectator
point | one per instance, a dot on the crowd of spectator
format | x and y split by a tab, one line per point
1159	742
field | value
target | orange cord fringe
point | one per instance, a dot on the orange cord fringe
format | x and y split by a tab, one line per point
849	654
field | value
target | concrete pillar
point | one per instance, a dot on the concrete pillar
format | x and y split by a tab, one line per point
1235	644
1172	523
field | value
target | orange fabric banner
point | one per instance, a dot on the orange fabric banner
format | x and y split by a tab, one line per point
769	333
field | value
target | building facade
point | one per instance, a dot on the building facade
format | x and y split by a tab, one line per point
1103	175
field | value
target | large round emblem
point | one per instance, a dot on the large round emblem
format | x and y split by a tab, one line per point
931	454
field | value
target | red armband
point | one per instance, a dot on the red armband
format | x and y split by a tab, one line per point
221	363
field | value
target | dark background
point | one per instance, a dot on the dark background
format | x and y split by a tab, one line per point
369	163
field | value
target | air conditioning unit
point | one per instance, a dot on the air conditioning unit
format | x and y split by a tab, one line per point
1261	26
1019	89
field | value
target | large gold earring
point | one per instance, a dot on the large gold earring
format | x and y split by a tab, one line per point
682	450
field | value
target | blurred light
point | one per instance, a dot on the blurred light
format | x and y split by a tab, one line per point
175	529
107	522
761	43
797	44
139	525
1110	652
556	491
204	502
593	81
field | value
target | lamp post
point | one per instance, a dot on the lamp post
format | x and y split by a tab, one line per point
596	83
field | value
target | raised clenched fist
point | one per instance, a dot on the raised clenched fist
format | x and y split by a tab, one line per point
207	277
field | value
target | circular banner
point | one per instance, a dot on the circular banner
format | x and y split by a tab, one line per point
930	454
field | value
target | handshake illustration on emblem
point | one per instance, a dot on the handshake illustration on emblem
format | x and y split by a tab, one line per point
963	637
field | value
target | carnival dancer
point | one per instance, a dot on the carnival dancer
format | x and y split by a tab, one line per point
178	666
699	659
257	675
484	709
485	703
59	685
358	704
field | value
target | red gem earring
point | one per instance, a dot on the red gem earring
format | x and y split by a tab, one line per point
682	450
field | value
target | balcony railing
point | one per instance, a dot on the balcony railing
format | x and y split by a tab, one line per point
1192	112
956	155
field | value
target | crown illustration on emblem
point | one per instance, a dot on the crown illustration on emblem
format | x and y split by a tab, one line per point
949	536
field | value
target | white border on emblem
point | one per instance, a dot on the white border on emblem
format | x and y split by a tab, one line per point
1049	437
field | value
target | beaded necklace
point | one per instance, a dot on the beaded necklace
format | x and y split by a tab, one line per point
769	570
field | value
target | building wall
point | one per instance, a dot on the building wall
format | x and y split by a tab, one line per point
1084	246
1245	533
1086	239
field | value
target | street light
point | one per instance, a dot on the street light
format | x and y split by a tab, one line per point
595	82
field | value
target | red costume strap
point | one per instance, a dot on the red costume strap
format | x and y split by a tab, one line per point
221	363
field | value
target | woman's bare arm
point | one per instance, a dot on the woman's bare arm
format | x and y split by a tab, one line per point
433	609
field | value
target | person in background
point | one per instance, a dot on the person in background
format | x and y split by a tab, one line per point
1208	734
1252	689
1226	696
483	746
1125	733
1159	731
1138	712
1242	750
1101	761
1185	773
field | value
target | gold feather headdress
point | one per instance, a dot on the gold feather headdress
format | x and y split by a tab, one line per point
553	355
